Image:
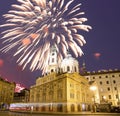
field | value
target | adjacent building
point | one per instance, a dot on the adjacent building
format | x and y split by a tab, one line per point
6	92
22	96
108	82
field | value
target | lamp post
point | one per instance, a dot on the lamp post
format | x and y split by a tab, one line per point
93	88
104	98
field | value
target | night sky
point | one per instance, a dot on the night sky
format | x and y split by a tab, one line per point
101	51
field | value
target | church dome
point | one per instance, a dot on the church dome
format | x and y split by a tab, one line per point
69	64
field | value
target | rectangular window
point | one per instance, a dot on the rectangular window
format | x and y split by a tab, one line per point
114	81
108	88
113	75
117	96
115	88
75	69
52	60
68	68
109	96
107	82
93	77
59	94
106	76
99	77
100	82
78	95
71	85
71	95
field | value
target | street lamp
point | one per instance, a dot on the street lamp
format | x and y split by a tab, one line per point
93	88
104	97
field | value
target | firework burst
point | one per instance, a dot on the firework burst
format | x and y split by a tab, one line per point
34	26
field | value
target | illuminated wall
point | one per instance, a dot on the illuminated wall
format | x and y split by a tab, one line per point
61	93
6	91
108	82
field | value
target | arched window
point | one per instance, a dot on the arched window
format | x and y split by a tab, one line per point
75	69
53	54
79	107
59	108
37	97
43	108
52	70
68	68
72	108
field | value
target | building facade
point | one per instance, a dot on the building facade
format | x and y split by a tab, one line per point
23	96
6	92
62	89
108	82
61	93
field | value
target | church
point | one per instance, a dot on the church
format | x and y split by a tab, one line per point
62	88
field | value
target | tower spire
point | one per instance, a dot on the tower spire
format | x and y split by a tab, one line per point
84	67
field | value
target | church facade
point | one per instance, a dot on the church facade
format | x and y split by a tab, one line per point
62	89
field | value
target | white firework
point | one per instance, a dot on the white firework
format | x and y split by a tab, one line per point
34	26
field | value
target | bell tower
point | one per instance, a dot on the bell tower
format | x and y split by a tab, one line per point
53	62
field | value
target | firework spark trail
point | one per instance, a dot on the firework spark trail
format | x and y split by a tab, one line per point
33	26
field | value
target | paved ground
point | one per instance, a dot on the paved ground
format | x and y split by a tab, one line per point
2	113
